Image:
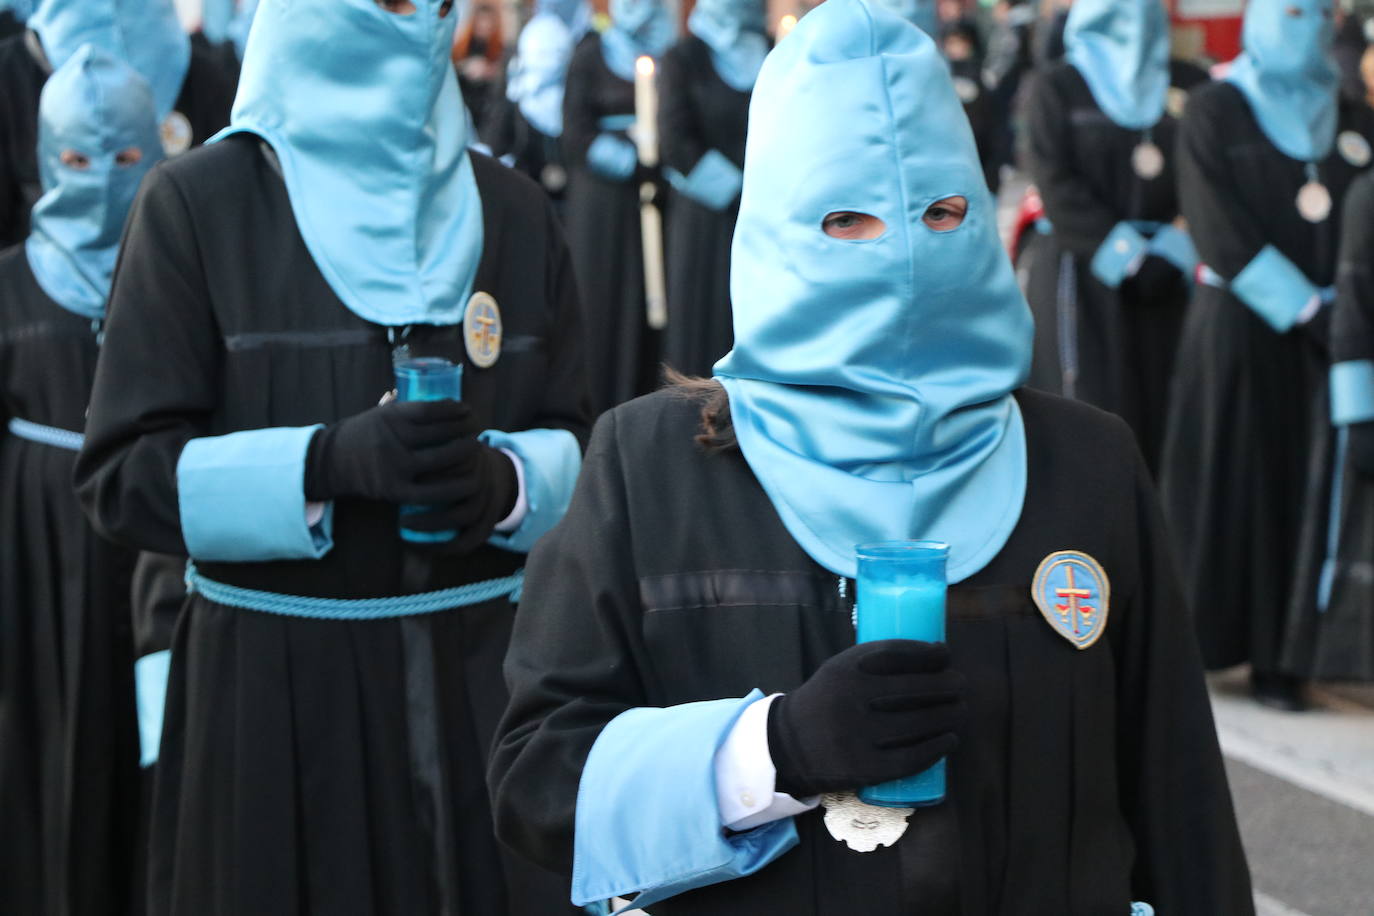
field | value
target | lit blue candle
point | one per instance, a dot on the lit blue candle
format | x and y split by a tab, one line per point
427	379
901	595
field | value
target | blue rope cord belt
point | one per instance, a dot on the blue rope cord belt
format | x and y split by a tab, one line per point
353	608
46	435
1210	277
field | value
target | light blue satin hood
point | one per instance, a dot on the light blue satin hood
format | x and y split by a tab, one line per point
921	13
638	28
539	71
20	9
145	34
734	31
96	106
870	382
1121	47
226	20
1288	74
363	110
575	14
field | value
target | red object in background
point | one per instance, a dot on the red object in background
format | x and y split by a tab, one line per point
1216	22
1030	211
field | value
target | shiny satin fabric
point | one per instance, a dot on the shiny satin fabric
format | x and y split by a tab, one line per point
145	34
228	20
1289	76
539	72
362	109
575	14
98	107
734	31
871	381
19	9
638	28
1121	48
920	13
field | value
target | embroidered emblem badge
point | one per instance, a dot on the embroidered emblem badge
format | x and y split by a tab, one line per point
1176	101
482	330
1073	594
861	826
176	134
1354	148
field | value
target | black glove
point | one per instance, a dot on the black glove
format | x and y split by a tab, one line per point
401	452
878	711
1361	445
1157	281
489	489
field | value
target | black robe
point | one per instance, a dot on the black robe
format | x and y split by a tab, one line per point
533	152
1113	348
984	114
1084	779
286	782
68	745
1239	440
604	236
207	94
698	112
9	25
1330	633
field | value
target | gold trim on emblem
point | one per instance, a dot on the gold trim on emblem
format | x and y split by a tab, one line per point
1073	593
482	330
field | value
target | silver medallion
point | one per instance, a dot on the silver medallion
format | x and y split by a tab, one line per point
176	134
1354	148
863	827
1147	160
1314	202
554	178
967	90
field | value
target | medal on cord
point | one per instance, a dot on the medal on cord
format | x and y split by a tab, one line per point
1147	158
1314	200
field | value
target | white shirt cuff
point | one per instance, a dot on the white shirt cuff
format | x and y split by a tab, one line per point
746	778
1310	310
522	505
314	514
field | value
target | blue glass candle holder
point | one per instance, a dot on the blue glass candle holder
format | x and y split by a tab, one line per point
901	595
427	378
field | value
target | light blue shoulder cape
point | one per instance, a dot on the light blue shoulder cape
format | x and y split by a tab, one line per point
734	31
1121	47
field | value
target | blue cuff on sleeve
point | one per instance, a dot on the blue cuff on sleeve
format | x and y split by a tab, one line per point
1352	392
612	157
714	182
1274	288
150	691
242	498
1119	254
1175	246
552	459
648	819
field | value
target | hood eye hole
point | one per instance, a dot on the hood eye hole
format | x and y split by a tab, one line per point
946	215
398	7
1294	12
852	226
445	8
127	157
74	160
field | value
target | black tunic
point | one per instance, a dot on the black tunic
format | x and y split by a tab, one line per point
533	152
1336	641
698	112
1239	439
68	745
285	783
1113	348
604	236
1084	780
207	94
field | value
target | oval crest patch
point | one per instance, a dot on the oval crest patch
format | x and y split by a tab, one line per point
1073	594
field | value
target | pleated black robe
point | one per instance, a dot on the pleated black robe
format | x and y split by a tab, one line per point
1084	779
604	236
207	94
307	765
531	151
1239	442
68	745
1330	631
698	112
1113	348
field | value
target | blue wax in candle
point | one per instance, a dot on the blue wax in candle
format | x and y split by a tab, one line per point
427	379
901	595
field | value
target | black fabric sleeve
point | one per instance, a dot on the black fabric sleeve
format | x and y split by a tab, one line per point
1352	320
572	665
679	130
580	119
1081	219
1226	235
1189	860
156	381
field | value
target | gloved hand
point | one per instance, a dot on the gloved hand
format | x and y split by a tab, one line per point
399	452
1157	280
488	489
875	712
1361	445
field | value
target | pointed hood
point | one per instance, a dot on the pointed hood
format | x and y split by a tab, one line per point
1121	47
538	72
362	108
638	28
100	110
734	31
871	381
